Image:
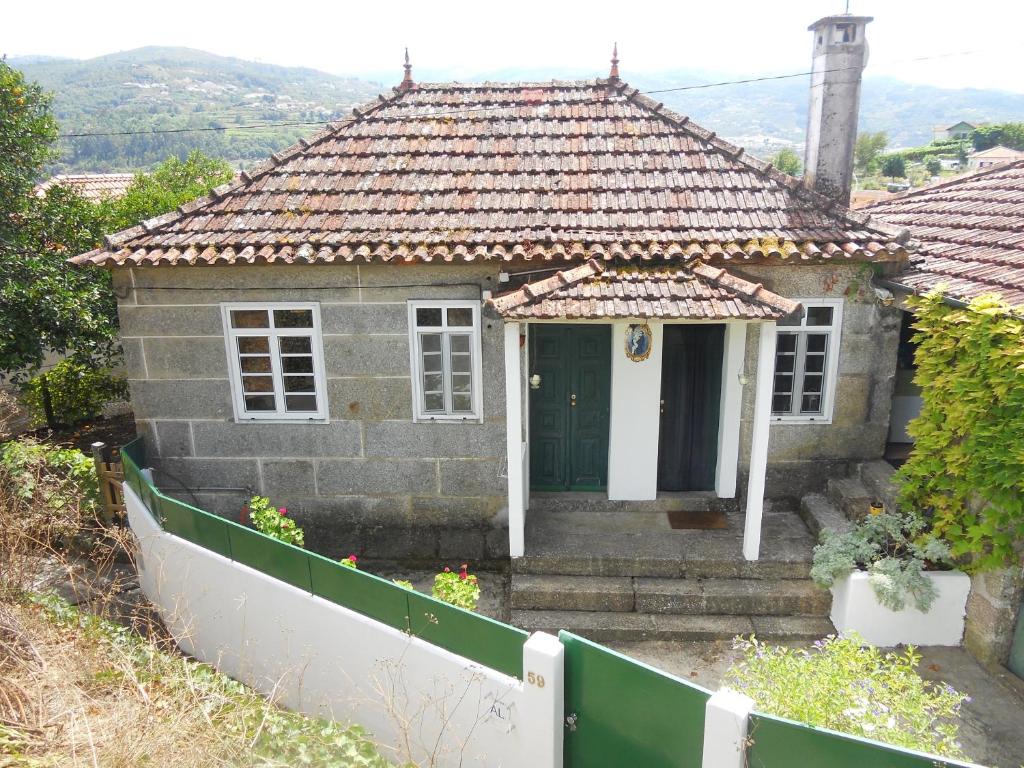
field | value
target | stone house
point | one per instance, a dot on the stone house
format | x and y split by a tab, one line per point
418	322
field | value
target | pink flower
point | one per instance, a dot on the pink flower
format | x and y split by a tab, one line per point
447	569
462	575
282	511
353	558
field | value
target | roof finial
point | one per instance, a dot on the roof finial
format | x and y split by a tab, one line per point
407	82
614	74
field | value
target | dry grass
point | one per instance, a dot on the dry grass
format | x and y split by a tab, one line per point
77	689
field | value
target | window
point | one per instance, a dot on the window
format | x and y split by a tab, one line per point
444	347
276	359
806	363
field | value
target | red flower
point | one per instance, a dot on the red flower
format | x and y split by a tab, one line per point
244	517
282	511
462	575
353	558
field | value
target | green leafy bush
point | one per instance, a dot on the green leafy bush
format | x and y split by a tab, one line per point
840	684
274	521
894	548
460	589
77	392
966	471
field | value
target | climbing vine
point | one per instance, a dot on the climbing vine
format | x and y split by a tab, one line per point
966	471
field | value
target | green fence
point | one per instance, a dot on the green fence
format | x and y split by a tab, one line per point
775	742
468	634
623	712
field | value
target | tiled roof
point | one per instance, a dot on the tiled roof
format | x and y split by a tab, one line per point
555	170
970	231
592	290
91	186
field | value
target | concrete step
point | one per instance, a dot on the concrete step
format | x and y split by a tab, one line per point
613	626
819	513
694	501
850	495
794	563
877	478
743	597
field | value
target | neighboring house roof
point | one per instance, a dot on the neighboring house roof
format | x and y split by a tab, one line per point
91	186
592	290
998	151
970	231
506	171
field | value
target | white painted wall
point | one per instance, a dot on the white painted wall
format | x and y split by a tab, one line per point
856	609
635	419
420	702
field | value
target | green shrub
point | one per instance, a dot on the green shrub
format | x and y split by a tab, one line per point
273	521
853	689
893	548
77	392
55	478
460	589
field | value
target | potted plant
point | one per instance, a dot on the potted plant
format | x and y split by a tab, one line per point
892	582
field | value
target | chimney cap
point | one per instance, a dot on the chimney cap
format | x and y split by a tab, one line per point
840	18
407	82
614	73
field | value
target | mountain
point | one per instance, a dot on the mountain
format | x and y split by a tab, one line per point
175	88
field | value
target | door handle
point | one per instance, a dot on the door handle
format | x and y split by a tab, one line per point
662	406
572	400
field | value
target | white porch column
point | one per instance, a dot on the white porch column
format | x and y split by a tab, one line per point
731	410
514	441
759	441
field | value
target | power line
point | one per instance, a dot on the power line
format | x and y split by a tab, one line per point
467	110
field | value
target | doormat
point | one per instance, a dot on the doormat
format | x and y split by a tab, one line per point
704	520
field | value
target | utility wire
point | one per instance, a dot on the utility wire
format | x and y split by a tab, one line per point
468	110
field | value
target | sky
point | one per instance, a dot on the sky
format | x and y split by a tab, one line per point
459	38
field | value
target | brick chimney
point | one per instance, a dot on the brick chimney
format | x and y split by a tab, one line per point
840	54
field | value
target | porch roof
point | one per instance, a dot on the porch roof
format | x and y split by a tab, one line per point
594	290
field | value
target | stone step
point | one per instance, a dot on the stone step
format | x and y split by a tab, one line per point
819	513
850	495
618	627
687	565
693	501
744	597
877	478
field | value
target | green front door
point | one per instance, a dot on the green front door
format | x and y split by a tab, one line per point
569	412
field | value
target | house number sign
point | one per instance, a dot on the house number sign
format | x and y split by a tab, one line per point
638	342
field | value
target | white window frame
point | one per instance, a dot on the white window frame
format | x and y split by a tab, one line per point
832	351
415	369
319	376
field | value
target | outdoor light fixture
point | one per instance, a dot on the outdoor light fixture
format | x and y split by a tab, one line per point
535	381
744	379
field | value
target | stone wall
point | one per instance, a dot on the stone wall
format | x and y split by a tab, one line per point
992	609
370	480
801	456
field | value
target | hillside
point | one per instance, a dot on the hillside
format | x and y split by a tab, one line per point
174	88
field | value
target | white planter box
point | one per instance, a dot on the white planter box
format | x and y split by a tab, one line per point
856	609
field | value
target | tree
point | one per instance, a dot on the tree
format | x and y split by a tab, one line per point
933	166
1003	134
867	149
787	161
894	166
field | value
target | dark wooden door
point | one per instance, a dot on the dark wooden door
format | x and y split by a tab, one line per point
569	412
691	391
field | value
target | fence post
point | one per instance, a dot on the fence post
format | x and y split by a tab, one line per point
543	711
98	458
725	729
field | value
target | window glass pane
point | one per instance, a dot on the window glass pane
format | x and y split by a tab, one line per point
786	342
296	345
300	403
430	342
255	364
434	402
783	383
781	403
432	382
253	345
814	363
462	403
460	316
816	342
790	320
462	382
297	364
811	404
812	383
260	403
428	316
461	363
299	384
460	342
819	316
249	318
293	318
257	384
785	363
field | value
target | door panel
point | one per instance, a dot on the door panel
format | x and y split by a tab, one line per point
569	436
691	384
